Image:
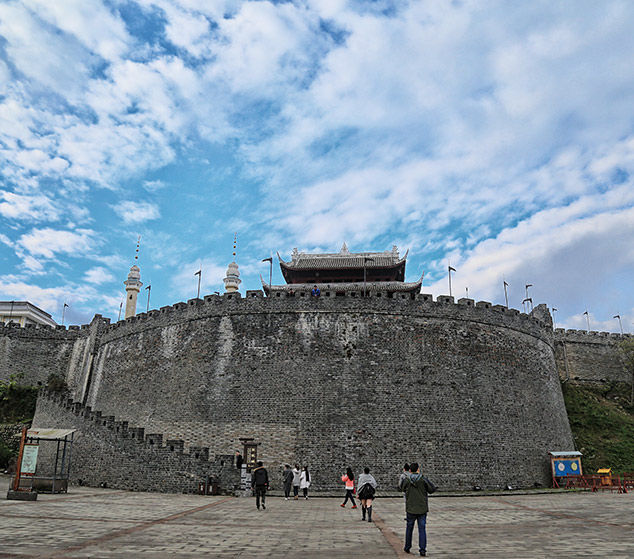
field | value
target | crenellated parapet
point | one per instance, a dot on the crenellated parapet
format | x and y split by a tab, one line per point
134	460
583	336
402	304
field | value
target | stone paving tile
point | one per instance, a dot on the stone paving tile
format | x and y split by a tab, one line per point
526	526
109	524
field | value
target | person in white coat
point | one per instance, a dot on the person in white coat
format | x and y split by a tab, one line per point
304	481
296	481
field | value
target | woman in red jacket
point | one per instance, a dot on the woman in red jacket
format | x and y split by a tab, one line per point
348	479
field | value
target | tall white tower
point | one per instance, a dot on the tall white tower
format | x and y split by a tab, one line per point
233	281
133	285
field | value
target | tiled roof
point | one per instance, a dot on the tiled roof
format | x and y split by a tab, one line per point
343	260
338	262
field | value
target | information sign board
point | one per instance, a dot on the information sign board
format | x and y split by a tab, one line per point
29	459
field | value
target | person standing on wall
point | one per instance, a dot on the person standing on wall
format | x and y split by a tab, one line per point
367	489
416	487
287	477
348	479
304	481
260	481
296	481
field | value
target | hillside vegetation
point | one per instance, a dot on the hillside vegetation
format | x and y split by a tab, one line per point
602	423
17	406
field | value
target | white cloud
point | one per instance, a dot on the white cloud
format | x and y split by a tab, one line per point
187	30
6	241
565	253
153	186
137	212
41	54
36	208
50	299
90	22
48	242
99	275
263	46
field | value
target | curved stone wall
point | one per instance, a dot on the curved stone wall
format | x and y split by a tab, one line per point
469	391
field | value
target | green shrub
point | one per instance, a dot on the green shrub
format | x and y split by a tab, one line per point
6	455
17	402
56	383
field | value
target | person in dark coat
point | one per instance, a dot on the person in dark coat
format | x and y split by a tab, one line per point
239	460
260	482
416	488
288	477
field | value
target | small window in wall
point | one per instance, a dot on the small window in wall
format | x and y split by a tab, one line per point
130	297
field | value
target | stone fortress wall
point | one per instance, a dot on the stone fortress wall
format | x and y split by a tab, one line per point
589	356
470	390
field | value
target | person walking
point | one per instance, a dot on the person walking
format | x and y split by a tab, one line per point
304	481
417	487
367	489
348	479
296	481
260	482
287	477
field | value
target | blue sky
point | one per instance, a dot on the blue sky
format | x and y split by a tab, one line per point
496	136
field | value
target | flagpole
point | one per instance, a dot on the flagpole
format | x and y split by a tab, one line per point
527	297
528	300
506	294
588	320
63	313
149	289
450	269
199	274
270	261
120	307
620	324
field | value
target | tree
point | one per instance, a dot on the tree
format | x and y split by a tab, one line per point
626	352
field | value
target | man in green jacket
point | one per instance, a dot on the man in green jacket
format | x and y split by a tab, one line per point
416	488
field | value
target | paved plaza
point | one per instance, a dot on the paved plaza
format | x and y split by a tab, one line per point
109	524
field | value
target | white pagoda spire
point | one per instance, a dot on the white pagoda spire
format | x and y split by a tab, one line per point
133	285
233	281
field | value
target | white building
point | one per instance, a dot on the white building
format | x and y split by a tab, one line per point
23	313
